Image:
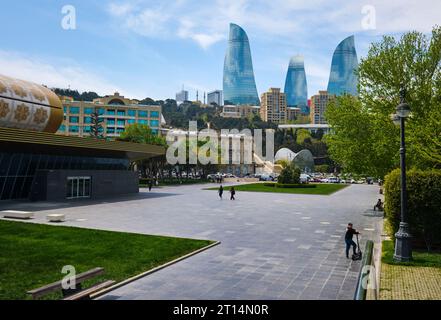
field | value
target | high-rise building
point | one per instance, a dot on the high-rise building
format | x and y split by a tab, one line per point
343	79
215	97
296	89
239	84
181	96
319	103
116	111
273	106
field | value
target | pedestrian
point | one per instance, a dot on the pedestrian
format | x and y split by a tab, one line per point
348	239
233	193
150	185
221	191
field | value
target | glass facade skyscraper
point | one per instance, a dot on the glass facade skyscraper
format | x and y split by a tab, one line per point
296	89
344	63
239	84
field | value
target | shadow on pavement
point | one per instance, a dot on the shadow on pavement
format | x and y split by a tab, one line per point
26	205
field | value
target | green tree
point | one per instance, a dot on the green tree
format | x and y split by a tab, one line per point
289	175
364	140
141	133
96	127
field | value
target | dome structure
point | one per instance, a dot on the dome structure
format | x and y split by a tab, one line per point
284	154
26	105
304	159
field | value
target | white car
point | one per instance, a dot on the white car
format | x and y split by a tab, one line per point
304	178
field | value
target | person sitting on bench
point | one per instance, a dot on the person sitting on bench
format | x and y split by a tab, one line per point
379	206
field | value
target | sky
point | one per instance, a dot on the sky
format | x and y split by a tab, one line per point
151	48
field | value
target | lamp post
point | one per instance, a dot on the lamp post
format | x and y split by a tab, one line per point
403	248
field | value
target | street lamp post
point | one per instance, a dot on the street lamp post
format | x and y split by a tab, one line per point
403	238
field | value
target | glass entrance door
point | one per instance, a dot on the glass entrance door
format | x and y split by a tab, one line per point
78	187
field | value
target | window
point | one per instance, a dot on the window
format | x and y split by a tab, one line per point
111	112
65	109
78	187
121	113
87	129
62	128
154	114
154	123
110	122
110	130
74	119
132	113
88	110
74	129
121	123
87	120
131	121
74	110
143	114
142	121
120	130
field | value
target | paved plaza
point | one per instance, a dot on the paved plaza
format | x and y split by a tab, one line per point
273	246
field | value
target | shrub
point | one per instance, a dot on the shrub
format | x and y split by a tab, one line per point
281	185
423	203
324	168
289	175
304	186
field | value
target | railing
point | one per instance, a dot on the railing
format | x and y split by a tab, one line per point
367	279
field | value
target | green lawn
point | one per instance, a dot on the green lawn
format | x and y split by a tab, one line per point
420	258
419	279
32	255
321	189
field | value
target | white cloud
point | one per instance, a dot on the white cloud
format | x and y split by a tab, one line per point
60	75
206	22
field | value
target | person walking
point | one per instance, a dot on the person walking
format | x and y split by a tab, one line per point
150	185
233	193
350	231
221	192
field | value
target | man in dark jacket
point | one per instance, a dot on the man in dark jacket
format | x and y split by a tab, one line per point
348	239
221	191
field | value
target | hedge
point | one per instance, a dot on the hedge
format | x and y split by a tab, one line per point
288	185
424	205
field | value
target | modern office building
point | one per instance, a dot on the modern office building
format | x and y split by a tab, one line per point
181	96
319	103
343	79
273	106
37	164
296	88
232	111
116	111
215	97
239	83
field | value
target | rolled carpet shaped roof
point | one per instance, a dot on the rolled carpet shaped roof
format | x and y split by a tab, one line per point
29	106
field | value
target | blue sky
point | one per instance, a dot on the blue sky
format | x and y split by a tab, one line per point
148	48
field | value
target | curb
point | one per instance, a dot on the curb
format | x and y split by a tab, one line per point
146	273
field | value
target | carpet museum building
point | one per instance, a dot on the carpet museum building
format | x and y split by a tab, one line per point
37	164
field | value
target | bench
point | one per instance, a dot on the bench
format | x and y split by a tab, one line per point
78	293
13	214
56	217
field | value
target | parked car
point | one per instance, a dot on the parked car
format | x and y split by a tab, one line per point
305	178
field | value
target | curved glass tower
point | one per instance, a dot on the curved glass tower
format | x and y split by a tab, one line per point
296	89
239	84
344	63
